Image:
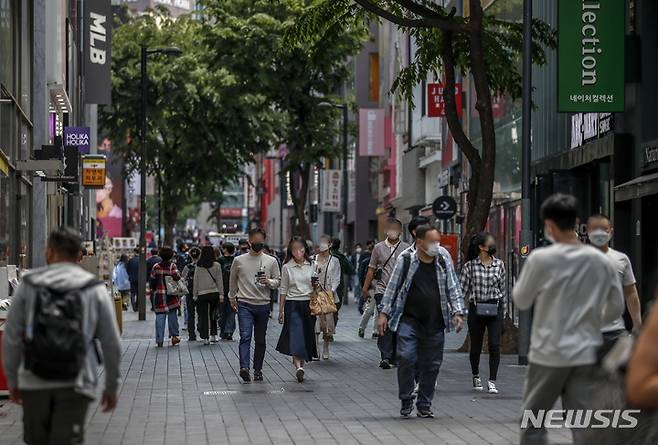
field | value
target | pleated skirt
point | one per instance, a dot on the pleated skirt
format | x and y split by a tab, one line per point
298	334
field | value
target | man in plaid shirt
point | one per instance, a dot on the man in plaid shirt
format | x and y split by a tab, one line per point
422	300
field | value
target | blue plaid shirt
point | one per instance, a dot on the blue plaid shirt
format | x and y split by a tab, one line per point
393	303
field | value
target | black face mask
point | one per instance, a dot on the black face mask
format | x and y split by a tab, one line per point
257	247
491	250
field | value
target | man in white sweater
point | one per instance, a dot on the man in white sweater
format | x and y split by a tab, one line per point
575	292
253	276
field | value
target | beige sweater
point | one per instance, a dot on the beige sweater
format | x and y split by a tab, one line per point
209	281
242	283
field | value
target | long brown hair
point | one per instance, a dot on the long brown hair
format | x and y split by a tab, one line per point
302	241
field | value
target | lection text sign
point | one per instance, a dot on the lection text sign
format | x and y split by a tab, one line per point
591	56
436	106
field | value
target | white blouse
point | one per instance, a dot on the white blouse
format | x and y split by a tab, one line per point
296	280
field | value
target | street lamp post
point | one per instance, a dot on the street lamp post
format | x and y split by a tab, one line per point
141	291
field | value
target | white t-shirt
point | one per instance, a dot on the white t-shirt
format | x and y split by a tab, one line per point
575	291
623	265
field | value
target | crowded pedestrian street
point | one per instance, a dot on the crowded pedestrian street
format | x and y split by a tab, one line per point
192	394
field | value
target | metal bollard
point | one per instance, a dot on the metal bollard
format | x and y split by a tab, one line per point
118	308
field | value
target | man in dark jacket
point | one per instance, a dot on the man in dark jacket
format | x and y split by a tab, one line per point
152	261
227	321
362	269
133	276
346	271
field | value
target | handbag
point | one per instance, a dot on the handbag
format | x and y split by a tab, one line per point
322	300
174	287
486	309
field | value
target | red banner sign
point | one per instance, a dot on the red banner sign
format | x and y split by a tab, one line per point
436	106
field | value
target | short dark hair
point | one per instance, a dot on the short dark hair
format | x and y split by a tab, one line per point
66	242
155	252
256	231
207	257
422	230
195	252
598	216
166	253
417	221
243	241
562	209
394	221
335	243
229	247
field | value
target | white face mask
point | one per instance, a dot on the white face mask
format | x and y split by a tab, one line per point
358	250
323	247
599	237
433	249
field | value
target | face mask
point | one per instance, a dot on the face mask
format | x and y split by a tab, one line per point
432	250
491	250
298	254
393	234
358	250
257	247
599	237
323	247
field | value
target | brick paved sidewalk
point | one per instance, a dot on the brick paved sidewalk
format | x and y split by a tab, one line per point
192	394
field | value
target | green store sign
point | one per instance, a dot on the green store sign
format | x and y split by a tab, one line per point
591	56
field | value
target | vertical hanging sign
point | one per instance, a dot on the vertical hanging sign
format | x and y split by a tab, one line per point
97	51
591	56
371	132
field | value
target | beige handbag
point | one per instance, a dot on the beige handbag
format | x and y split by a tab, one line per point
322	300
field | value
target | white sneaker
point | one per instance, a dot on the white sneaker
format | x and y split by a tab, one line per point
492	387
213	339
477	384
206	342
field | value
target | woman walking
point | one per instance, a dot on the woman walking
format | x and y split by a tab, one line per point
298	334
327	274
483	285
164	304
208	292
121	280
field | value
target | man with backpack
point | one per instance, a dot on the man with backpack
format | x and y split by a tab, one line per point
421	302
58	316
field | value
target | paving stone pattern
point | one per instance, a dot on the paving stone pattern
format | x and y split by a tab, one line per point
191	394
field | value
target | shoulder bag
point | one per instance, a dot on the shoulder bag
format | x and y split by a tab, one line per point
322	299
176	288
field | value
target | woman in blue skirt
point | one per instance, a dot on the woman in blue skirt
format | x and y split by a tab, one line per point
298	333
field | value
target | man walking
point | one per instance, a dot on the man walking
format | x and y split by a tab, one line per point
422	299
133	276
227	320
354	260
575	291
382	262
50	360
253	276
599	233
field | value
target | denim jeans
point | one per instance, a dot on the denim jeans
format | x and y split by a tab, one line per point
252	319
227	325
420	351
386	343
171	318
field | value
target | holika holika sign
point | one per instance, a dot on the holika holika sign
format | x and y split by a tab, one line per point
591	56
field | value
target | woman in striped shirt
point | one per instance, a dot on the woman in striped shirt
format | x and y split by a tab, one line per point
483	283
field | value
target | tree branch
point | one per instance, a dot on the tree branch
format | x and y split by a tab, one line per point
426	22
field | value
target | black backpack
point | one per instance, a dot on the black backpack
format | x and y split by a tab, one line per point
55	346
191	267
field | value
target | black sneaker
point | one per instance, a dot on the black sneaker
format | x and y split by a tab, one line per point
385	364
407	408
425	413
258	376
244	374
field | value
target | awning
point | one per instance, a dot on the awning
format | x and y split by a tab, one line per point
637	188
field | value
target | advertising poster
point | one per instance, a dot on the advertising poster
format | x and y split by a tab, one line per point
109	199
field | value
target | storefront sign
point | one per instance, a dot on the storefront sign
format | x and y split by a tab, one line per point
371	132
97	51
234	213
591	55
331	188
436	106
444	207
650	155
589	126
444	177
77	137
93	171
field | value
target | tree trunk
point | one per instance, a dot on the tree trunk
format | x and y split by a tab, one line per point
170	217
302	227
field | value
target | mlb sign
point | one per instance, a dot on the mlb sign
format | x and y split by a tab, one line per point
436	106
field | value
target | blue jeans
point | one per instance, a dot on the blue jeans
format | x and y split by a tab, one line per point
420	352
228	322
172	318
386	343
252	318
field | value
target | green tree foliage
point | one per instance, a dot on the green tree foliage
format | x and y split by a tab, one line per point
481	45
246	38
202	126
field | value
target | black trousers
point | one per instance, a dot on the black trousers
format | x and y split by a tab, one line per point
191	317
54	416
387	343
476	327
206	306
